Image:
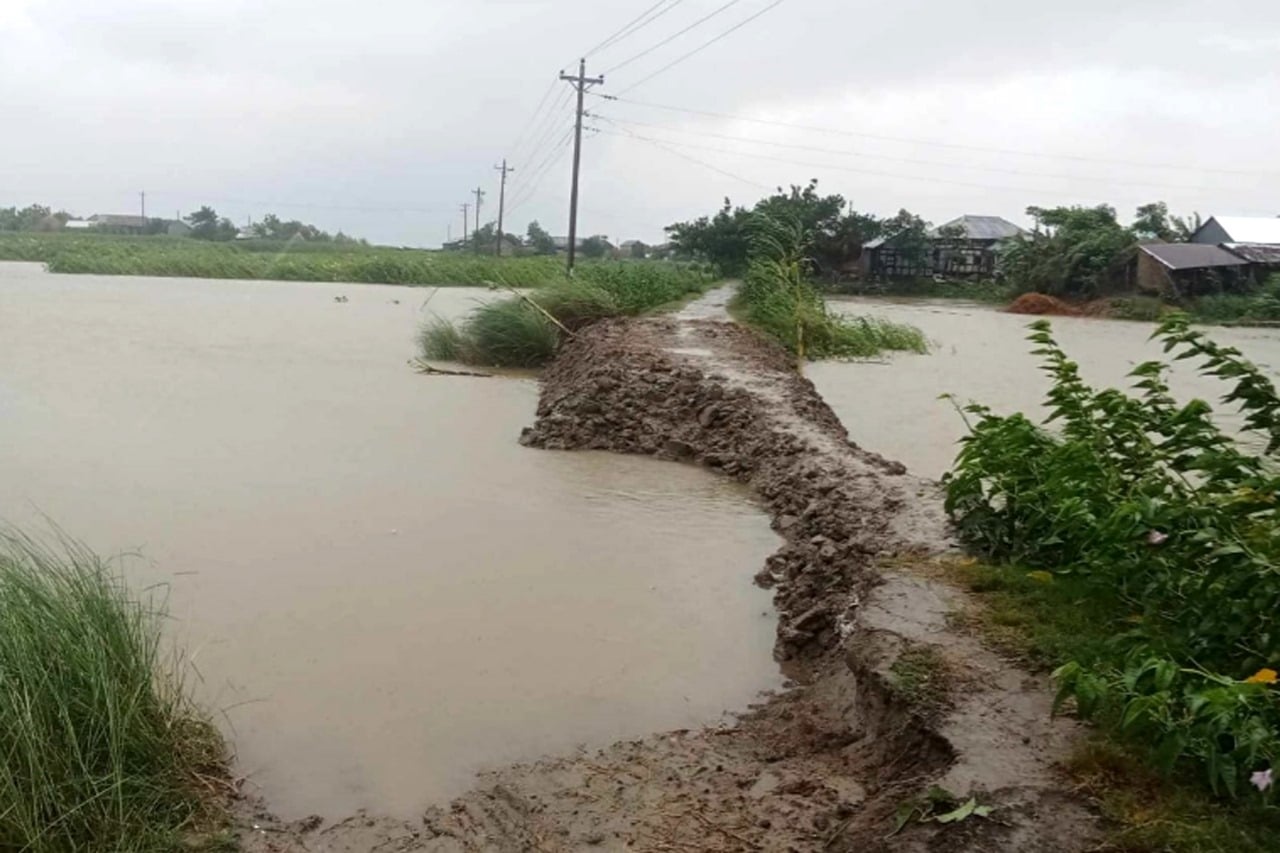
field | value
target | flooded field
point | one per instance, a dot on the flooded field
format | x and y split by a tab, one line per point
382	589
980	354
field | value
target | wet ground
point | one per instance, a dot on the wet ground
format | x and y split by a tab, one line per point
380	588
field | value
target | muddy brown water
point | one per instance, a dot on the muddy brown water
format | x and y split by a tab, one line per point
382	590
980	354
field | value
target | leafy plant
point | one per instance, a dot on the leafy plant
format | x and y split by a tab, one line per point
1147	501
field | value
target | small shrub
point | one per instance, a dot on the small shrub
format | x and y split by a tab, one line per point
1148	503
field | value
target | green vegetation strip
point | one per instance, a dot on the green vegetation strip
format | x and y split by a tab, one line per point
102	750
1162	535
299	260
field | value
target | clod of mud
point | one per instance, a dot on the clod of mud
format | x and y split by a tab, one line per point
826	764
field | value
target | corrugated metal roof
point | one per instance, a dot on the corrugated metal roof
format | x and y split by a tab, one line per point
876	243
1254	252
1250	229
1191	256
981	227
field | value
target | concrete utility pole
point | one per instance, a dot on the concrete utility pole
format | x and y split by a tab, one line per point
479	194
580	82
143	198
466	209
502	202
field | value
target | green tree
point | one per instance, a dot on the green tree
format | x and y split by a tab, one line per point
1078	252
596	247
835	237
207	225
539	240
1152	222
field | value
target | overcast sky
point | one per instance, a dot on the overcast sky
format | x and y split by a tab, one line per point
378	118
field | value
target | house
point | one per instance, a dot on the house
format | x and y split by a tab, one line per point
1176	270
1263	230
119	223
562	243
966	246
177	228
78	225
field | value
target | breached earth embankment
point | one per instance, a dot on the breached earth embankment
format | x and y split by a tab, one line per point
825	764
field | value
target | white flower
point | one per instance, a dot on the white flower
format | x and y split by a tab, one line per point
1262	779
1155	537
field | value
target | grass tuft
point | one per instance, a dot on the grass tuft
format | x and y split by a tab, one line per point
102	750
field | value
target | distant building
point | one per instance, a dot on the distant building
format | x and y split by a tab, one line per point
177	228
79	225
1176	270
120	223
966	246
1264	230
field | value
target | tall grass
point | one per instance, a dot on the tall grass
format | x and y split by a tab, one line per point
513	333
778	299
101	749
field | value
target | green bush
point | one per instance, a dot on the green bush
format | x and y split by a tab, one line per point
1162	514
1262	306
101	749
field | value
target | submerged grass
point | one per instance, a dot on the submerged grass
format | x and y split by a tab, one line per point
102	750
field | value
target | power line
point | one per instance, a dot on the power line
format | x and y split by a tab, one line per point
534	115
702	47
837	168
910	160
547	131
298	204
525	179
695	160
635	25
530	189
909	141
673	37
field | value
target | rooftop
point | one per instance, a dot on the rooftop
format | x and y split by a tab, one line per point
981	227
1191	256
1255	253
1250	229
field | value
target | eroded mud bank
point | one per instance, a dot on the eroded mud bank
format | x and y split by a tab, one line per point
825	764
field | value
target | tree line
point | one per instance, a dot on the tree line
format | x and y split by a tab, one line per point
1071	251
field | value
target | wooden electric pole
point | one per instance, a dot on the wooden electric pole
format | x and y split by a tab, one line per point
502	202
479	193
466	209
580	83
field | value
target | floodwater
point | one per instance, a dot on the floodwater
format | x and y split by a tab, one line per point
980	354
382	590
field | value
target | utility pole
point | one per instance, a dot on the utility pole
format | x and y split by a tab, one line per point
466	208
580	82
143	197
502	202
479	194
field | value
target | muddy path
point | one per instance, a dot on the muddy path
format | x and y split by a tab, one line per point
826	763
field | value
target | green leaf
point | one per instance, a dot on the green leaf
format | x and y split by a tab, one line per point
959	814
